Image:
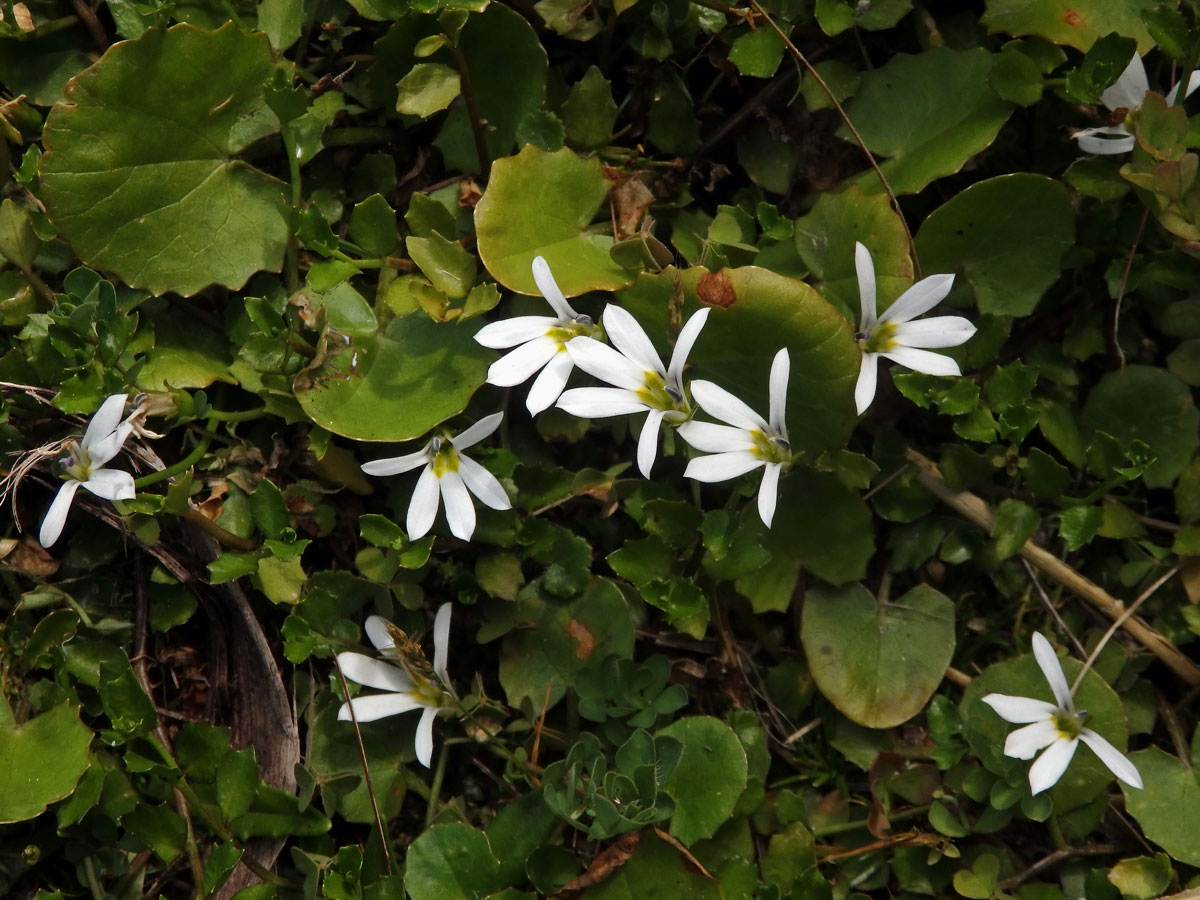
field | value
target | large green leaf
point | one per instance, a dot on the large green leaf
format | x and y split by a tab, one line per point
824	525
755	312
40	760
879	663
1007	235
709	778
451	862
395	385
1145	403
1076	23
904	111
1168	807
542	204
140	174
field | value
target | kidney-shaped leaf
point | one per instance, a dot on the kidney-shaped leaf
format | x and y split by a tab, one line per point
709	778
395	385
40	760
542	204
1076	23
905	112
1168	807
879	663
140	174
452	862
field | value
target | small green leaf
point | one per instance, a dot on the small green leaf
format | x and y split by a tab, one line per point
237	783
451	862
125	701
373	226
1142	877
41	760
1168	808
757	52
709	778
445	263
427	89
1015	523
590	111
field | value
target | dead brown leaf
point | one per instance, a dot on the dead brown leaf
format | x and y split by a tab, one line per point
605	864
30	558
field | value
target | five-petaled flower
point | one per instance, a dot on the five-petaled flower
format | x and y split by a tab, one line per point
641	382
1057	728
410	682
542	344
747	442
894	335
102	440
448	475
1126	95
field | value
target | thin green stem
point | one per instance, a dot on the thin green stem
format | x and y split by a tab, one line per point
481	147
435	790
240	415
861	824
293	243
176	468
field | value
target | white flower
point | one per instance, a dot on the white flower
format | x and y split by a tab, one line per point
896	337
642	384
1057	729
410	685
1128	93
542	341
747	442
448	475
102	440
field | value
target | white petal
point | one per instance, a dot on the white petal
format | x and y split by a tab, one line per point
781	367
1050	766
377	633
918	299
710	438
1120	142
1021	710
722	466
720	404
510	332
923	361
517	365
441	640
547	387
1193	83
397	464
1024	743
111	484
939	331
868	377
104	422
647	448
482	484
424	739
377	706
56	515
1130	89
106	448
605	363
477	432
768	492
1047	661
865	267
629	338
1112	757
460	511
683	347
549	288
423	507
597	403
374	672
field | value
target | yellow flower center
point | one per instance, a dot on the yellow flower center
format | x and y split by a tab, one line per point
658	394
445	457
1069	725
879	340
78	464
774	449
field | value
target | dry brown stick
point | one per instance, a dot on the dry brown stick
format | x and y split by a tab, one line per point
977	511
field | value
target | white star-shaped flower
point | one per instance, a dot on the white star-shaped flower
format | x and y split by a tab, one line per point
102	440
448	476
1128	93
542	344
409	685
894	335
641	382
747	442
1055	728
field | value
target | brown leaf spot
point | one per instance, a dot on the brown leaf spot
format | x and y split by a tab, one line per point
1072	18
716	289
630	201
587	643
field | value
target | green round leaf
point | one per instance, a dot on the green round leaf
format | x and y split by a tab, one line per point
1007	235
1147	404
878	663
395	385
161	201
1086	777
40	760
1076	23
542	204
709	778
754	313
451	862
938	129
1168	808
